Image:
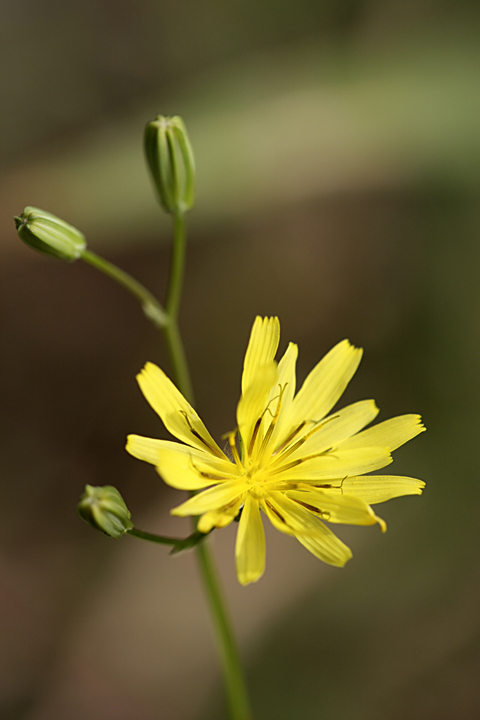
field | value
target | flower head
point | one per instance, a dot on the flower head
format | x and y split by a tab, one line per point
49	234
290	457
105	509
170	160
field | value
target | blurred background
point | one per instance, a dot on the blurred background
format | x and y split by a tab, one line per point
338	158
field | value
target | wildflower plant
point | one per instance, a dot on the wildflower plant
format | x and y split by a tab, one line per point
292	458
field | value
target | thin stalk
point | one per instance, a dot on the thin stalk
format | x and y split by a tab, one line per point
237	693
171	332
150	305
177	544
232	669
177	266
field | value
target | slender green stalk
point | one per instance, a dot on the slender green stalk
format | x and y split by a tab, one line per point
178	359
177	266
177	544
171	332
237	693
235	684
150	305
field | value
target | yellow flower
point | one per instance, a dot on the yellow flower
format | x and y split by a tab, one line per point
289	458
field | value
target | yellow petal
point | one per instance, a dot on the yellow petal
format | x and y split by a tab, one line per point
250	544
290	517
336	428
379	488
327	547
251	408
390	433
325	384
276	518
176	413
186	468
285	384
147	449
217	518
338	464
310	531
214	498
262	348
286	373
337	508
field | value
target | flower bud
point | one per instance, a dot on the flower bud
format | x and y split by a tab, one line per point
47	233
171	162
105	509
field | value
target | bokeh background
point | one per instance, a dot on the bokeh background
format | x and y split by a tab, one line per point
338	157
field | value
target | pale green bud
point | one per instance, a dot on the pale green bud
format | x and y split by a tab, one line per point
171	162
49	234
105	509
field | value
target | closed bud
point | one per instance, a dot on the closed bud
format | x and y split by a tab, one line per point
105	509
49	234
171	162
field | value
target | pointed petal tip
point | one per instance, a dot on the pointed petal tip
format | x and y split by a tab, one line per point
146	370
348	344
249	579
348	556
265	320
421	425
130	442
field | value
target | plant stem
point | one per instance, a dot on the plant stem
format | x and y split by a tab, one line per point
150	305
177	544
237	694
232	668
177	266
171	331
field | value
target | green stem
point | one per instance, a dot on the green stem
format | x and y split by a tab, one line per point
178	360
171	332
235	683
177	266
178	544
232	668
150	305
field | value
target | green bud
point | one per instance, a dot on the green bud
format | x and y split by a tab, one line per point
105	509
171	162
47	233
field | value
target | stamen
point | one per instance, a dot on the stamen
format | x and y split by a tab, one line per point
259	421
271	428
274	510
212	448
254	434
294	463
324	514
328	486
289	450
233	448
208	476
282	468
291	436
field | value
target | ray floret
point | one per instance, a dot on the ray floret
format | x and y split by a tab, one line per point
293	458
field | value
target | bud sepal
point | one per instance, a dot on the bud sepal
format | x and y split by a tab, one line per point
48	234
171	162
105	509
